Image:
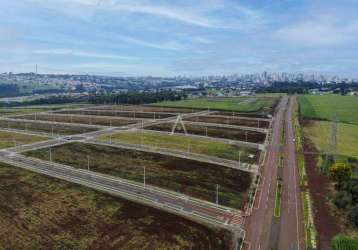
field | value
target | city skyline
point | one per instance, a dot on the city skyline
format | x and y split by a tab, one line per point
187	38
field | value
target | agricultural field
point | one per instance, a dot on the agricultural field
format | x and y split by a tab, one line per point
12	139
229	120
241	104
320	132
39	212
37	108
212	131
103	121
189	177
330	107
187	144
114	113
47	128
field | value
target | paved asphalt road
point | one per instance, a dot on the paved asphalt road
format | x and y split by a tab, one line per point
291	235
258	224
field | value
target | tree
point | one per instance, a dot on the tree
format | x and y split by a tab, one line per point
353	216
340	172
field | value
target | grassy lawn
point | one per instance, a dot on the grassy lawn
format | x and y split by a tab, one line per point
347	137
185	176
10	139
39	212
242	104
185	143
326	107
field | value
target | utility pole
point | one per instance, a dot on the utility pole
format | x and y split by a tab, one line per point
50	154
88	163
144	177
239	158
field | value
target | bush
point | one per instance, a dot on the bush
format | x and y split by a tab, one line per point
341	199
353	216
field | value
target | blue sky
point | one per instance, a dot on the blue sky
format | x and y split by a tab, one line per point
179	37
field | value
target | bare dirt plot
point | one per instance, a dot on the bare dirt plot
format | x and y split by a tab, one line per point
189	177
11	139
39	212
229	120
146	108
48	128
128	114
103	121
226	133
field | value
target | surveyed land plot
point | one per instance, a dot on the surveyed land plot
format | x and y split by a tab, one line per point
212	131
12	139
45	127
330	107
188	177
240	104
229	120
89	120
186	144
47	213
145	108
114	113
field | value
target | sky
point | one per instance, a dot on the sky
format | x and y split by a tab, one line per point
179	37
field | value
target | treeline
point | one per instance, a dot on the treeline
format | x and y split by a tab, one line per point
120	98
136	97
305	87
9	90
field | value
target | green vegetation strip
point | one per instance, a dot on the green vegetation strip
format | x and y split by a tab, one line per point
184	143
330	107
242	104
277	212
341	242
310	231
12	139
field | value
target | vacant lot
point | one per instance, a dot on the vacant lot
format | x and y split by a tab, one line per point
144	108
38	212
230	120
319	133
115	113
11	139
225	133
186	143
185	176
242	104
104	121
47	128
330	107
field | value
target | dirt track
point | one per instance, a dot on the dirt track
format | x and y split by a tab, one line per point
230	121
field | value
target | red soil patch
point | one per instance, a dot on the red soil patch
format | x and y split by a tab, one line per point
326	223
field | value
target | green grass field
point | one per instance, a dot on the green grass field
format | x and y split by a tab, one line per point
347	137
185	143
327	107
10	139
241	104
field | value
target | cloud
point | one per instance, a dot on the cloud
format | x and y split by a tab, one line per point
78	53
319	33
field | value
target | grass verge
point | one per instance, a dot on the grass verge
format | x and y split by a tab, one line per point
277	211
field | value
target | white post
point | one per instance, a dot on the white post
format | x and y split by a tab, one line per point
144	177
217	194
239	158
